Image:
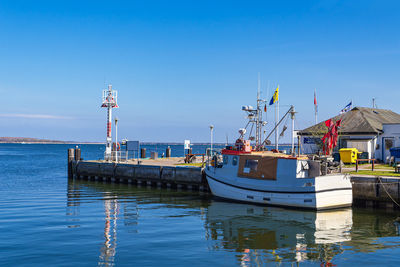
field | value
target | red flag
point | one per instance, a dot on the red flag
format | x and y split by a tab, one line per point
329	140
328	124
315	99
265	108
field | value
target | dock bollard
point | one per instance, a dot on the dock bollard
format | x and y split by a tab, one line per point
71	158
168	152
143	153
78	154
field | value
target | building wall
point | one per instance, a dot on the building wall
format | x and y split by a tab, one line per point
388	139
365	143
308	144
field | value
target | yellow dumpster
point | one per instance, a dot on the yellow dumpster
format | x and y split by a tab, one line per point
348	155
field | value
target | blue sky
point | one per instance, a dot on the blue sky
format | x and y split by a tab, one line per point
180	66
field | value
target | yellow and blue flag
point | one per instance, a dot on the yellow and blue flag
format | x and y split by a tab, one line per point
275	97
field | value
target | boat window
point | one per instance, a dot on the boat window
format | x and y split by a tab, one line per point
226	159
234	161
250	165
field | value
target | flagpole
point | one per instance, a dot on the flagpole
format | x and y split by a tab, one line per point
276	123
315	106
316	116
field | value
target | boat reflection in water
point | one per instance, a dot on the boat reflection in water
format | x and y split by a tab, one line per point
264	234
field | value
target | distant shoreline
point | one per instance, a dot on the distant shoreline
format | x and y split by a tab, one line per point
53	143
27	140
99	143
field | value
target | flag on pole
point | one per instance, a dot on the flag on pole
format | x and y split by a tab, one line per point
346	108
315	101
275	97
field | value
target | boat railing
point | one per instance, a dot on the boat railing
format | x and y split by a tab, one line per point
213	157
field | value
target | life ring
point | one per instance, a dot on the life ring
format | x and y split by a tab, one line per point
116	147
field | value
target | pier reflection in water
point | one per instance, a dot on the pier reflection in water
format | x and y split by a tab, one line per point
245	234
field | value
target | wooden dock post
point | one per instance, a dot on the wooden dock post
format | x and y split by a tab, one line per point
71	158
77	154
143	153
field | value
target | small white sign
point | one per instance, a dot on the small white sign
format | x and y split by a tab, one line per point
187	144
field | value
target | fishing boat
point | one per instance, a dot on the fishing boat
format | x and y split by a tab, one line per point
245	172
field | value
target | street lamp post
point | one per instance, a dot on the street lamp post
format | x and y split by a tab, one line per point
116	139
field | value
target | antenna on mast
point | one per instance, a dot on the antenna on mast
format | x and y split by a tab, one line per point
254	116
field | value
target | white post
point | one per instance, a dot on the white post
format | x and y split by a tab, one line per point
116	139
211	136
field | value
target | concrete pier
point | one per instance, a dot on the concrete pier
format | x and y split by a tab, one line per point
150	175
376	192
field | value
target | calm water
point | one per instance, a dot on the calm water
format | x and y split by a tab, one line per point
46	220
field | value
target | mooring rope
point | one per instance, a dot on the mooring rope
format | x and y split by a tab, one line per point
384	188
374	183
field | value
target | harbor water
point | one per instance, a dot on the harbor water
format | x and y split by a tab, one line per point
48	220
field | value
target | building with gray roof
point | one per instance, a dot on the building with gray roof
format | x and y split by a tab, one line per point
370	130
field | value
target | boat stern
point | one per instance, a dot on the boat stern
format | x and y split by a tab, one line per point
333	191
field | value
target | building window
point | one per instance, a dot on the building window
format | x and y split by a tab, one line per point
388	143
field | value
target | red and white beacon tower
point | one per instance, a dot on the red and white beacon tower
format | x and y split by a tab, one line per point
109	102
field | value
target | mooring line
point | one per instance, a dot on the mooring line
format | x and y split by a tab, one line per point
380	180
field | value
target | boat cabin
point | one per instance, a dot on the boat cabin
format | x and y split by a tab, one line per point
240	161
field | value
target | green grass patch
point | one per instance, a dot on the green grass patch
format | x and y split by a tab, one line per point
383	166
376	173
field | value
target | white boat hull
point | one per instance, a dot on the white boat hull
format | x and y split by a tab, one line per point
327	198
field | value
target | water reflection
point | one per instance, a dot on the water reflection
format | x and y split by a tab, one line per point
265	234
73	202
255	235
109	247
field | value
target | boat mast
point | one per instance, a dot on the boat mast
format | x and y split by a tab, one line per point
259	120
292	115
276	123
255	117
258	114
